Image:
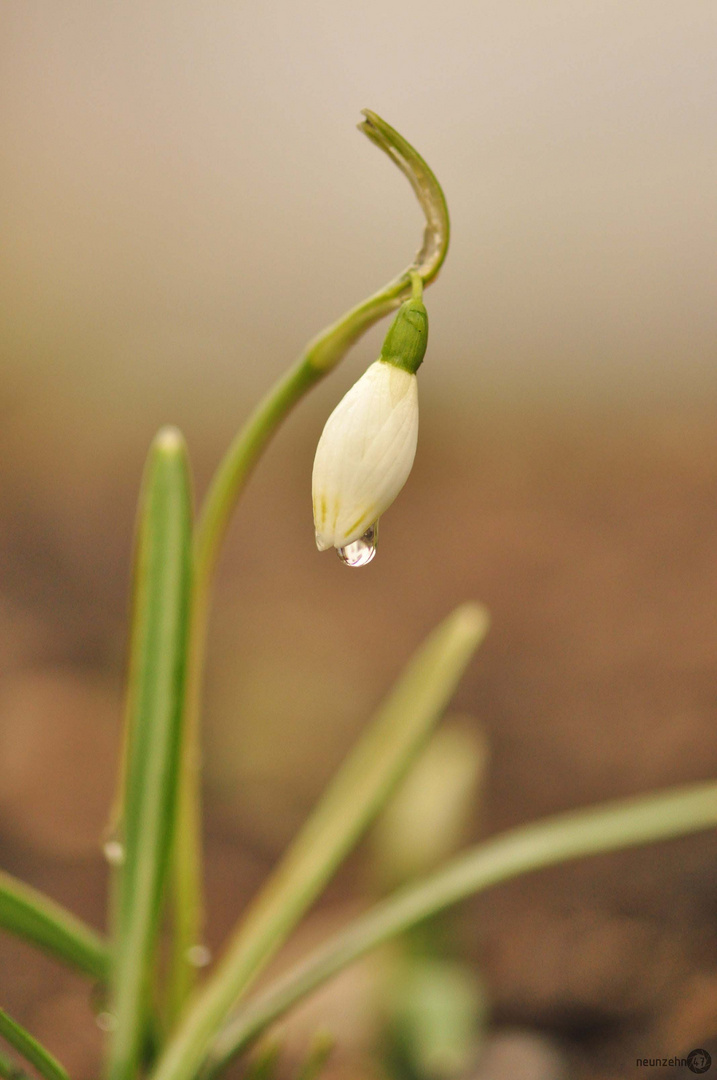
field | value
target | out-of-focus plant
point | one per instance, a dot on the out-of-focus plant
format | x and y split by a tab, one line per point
161	1021
433	1006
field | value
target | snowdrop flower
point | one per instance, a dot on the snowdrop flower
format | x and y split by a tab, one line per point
368	445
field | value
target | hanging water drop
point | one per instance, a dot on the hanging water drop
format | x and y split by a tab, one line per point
113	851
199	956
361	551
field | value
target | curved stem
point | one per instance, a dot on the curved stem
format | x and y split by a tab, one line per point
597	829
428	191
321	354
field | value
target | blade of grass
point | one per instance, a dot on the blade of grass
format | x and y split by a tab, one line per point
10	1071
158	649
33	916
354	797
596	829
265	1063
322	354
319	1053
30	1048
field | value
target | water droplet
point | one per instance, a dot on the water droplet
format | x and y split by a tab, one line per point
361	551
199	956
113	852
106	1021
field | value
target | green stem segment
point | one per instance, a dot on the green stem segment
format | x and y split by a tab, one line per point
358	791
211	529
406	341
32	915
321	355
155	695
610	827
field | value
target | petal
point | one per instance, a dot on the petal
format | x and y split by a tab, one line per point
365	454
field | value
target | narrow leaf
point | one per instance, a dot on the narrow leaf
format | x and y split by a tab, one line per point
157	659
357	793
10	1071
318	1055
33	916
31	1049
264	1064
621	824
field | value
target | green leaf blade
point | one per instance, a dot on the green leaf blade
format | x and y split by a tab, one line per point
593	830
155	697
356	794
33	1051
31	915
319	1053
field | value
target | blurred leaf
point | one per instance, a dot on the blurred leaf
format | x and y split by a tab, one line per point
354	797
33	916
317	1057
435	1015
430	814
262	1066
10	1071
157	659
621	824
31	1049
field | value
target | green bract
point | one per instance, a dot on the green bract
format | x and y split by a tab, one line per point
406	340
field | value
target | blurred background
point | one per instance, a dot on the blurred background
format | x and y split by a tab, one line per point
187	202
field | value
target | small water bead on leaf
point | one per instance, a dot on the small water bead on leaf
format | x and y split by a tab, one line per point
199	956
106	1021
361	551
113	850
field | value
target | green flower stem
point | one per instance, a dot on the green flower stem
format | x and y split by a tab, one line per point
33	916
321	355
621	824
31	1049
155	696
358	791
211	528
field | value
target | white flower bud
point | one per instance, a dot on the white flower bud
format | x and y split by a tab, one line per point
367	448
365	454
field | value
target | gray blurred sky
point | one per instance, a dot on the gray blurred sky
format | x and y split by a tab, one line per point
186	199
